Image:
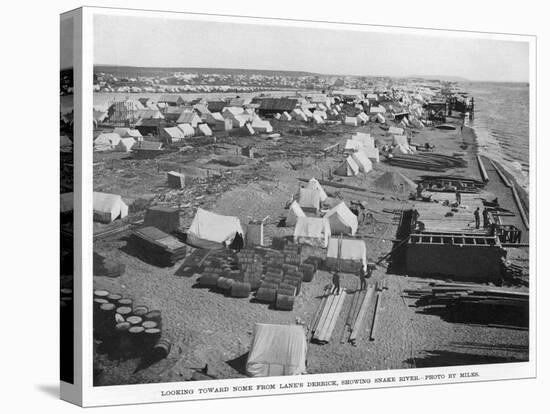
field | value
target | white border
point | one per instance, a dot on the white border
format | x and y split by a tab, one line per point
144	393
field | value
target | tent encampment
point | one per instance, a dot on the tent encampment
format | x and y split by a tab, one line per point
277	350
312	231
294	211
106	141
213	228
395	131
362	160
125	144
108	207
313	184
348	168
364	139
187	129
400	140
373	154
309	199
204	129
346	254
342	220
350	120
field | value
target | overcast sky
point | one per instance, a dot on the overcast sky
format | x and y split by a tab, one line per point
66	43
137	41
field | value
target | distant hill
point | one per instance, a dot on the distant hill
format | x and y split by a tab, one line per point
441	78
134	71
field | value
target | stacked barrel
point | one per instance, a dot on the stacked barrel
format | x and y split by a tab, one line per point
127	330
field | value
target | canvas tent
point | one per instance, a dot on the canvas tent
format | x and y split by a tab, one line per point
313	184
348	167
373	154
346	254
364	163
395	131
312	231
309	199
400	140
106	141
342	220
125	144
294	211
108	207
364	139
187	129
350	120
204	130
213	228
277	350
352	145
128	133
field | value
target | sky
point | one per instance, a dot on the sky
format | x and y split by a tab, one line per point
66	43
160	42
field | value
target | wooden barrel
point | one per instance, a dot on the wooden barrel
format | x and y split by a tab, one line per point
225	283
125	302
134	320
266	294
149	324
294	282
268	285
289	291
240	290
208	280
150	337
66	291
162	349
114	297
284	302
101	293
124	311
140	310
288	286
308	271
136	335
119	318
272	281
155	316
105	320
275	271
98	302
288	268
123	342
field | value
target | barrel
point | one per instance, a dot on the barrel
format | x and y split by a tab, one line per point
150	337
308	271
124	311
288	286
66	292
161	349
105	320
288	268
98	302
134	320
155	316
284	302
136	335
123	342
140	310
225	283
114	297
240	290
125	302
208	280
149	324
268	285
274	270
101	293
266	294
272	281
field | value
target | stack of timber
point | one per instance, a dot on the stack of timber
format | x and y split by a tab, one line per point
472	303
356	319
155	246
449	183
327	318
426	161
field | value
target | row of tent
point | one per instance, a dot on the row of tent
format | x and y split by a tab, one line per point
120	139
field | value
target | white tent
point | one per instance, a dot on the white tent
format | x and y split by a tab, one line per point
373	154
125	144
204	129
172	134
317	119
249	129
309	199
365	139
106	142
380	118
350	120
277	350
402	149
212	227
315	185
128	133
261	125
348	167
364	163
377	110
342	220
294	211
187	129
400	140
285	116
108	207
346	250
66	144
352	145
362	117
396	131
299	115
312	231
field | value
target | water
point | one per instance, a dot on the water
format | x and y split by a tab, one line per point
501	122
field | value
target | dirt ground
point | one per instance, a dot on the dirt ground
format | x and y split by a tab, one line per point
206	327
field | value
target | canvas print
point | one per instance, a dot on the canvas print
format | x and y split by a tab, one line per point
271	199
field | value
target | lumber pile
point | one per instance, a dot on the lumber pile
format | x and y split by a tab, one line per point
470	303
327	318
155	246
426	161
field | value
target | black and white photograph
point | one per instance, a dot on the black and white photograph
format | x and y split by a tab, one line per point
280	199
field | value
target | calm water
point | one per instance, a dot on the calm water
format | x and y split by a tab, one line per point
502	124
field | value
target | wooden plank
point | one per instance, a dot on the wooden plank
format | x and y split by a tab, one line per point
330	314
375	316
361	315
337	185
351	308
482	170
323	317
334	319
522	212
317	314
